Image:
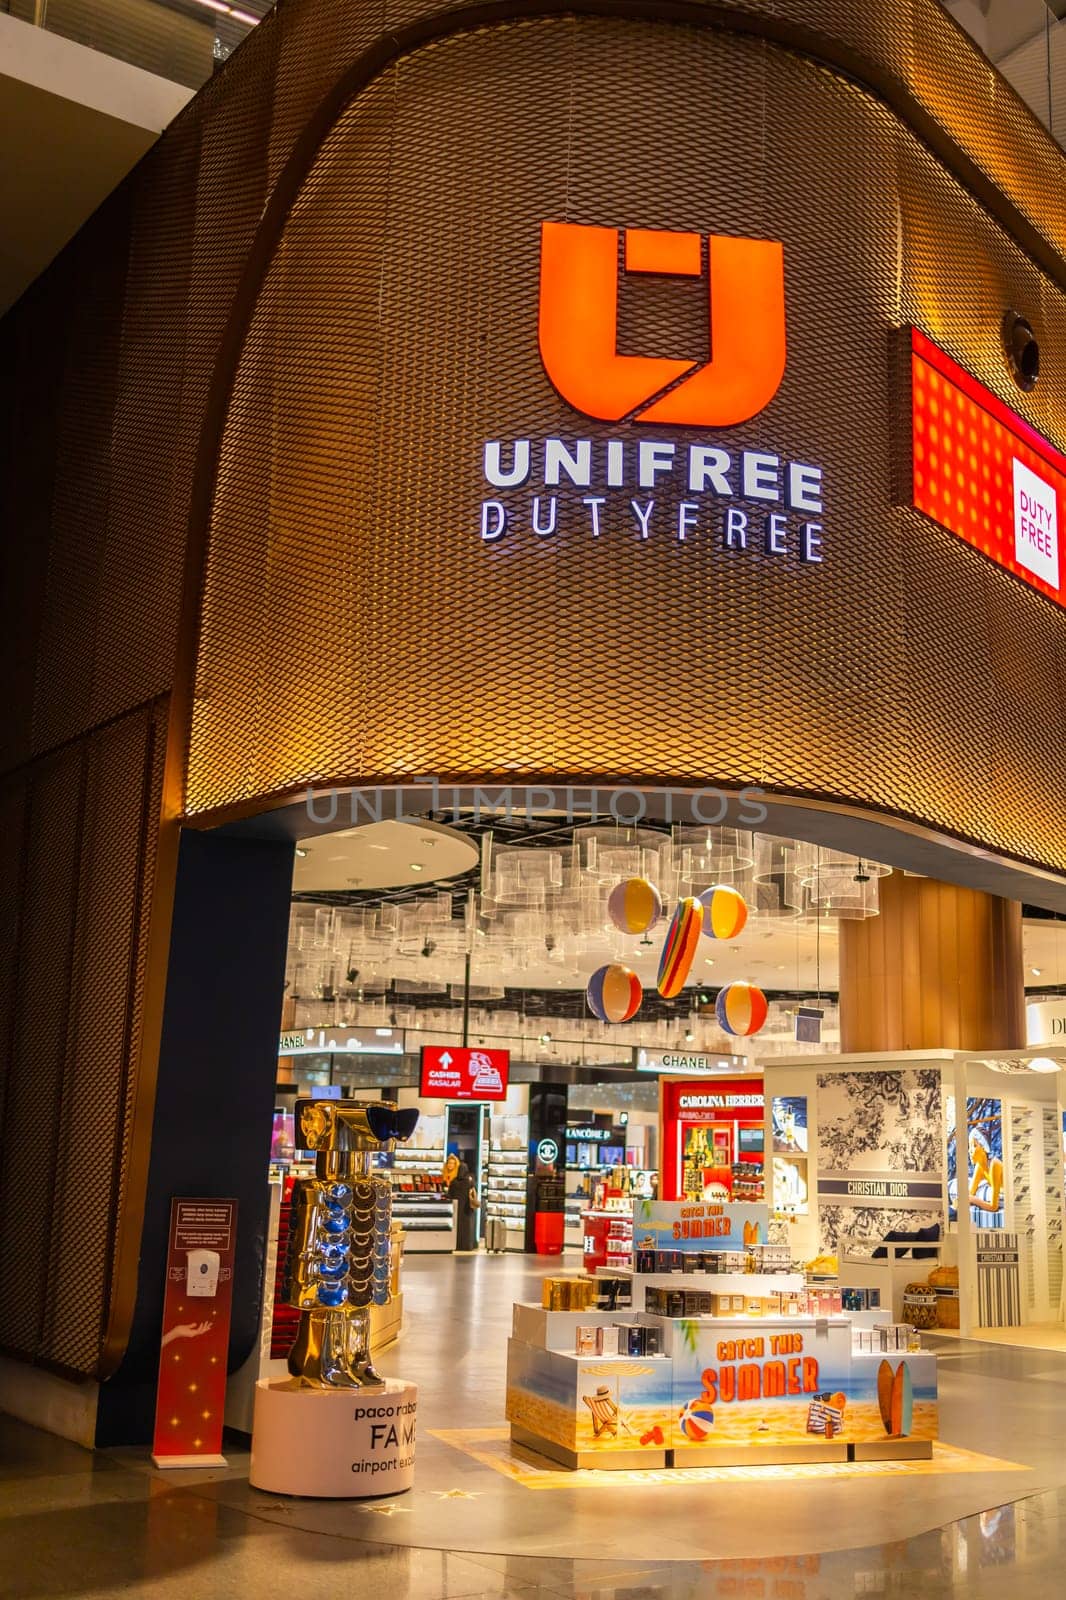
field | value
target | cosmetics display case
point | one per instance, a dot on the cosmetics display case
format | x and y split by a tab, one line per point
593	1190
607	1238
420	1204
504	1193
713	1351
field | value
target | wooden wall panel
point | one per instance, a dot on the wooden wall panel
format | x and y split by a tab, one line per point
939	968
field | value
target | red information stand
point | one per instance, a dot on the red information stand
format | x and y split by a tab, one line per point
191	1392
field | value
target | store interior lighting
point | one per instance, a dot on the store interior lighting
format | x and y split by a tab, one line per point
528	912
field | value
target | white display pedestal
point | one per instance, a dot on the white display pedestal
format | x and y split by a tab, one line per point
336	1444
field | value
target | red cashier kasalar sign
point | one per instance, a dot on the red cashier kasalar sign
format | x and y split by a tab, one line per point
450	1072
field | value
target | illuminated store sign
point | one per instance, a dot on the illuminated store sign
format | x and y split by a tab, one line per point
657	488
692	1066
1045	1020
631	480
452	1072
718	1102
579	285
355	1041
983	473
916	1192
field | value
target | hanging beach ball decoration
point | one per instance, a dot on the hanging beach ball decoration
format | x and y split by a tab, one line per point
682	937
696	1420
724	912
634	905
614	993
741	1008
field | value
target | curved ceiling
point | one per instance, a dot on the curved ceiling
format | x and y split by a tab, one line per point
382	855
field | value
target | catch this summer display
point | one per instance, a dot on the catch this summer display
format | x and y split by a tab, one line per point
788	1375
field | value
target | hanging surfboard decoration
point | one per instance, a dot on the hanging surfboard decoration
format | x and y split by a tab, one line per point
682	938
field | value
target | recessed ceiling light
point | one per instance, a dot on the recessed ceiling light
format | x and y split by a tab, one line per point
300	851
416	866
227	10
708	961
1035	971
377	847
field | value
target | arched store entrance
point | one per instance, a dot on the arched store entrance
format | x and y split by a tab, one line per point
246	963
359	619
235	914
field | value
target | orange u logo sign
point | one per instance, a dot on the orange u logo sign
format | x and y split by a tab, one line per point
579	325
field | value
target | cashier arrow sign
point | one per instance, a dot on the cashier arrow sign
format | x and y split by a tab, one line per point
450	1072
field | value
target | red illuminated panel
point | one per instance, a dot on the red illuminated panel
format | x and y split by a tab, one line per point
981	471
450	1072
722	1104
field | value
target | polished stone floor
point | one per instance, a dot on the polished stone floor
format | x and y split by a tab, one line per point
73	1524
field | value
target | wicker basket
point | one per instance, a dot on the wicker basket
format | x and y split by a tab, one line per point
920	1306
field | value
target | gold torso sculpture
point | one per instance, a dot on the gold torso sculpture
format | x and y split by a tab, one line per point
339	1256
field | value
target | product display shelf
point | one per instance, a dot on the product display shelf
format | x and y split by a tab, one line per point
420	1160
569	1407
579	1203
575	1208
428	1222
427	1215
723	1391
506	1174
607	1238
413	1171
718	1282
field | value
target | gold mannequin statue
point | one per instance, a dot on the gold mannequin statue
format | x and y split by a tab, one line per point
338	1262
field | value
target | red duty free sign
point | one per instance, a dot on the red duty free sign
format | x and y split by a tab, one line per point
984	473
452	1072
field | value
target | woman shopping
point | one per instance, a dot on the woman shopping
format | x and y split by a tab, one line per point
458	1185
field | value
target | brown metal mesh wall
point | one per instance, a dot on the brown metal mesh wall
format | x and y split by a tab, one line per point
354	627
107	365
78	842
38	1044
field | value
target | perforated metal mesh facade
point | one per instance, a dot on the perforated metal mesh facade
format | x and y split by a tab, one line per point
78	842
353	625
